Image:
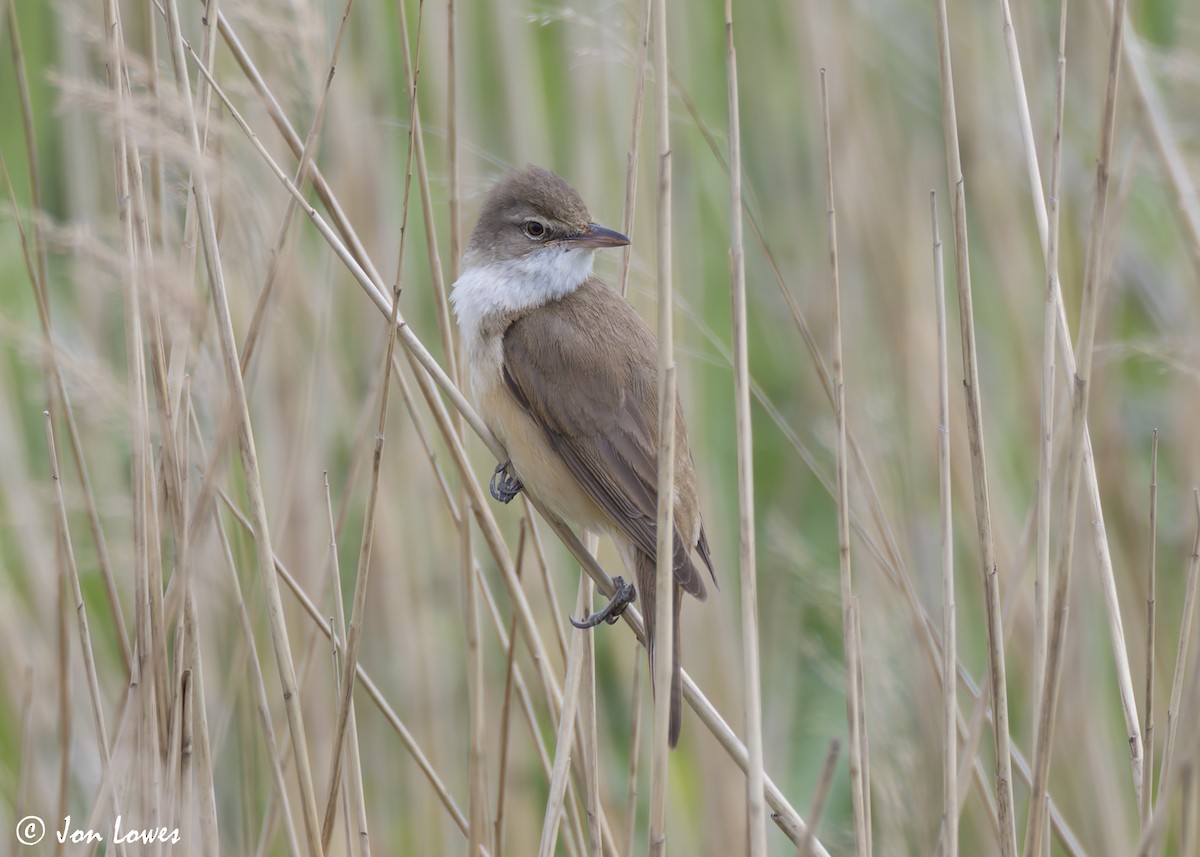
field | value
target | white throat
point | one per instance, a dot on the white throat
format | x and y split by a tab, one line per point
486	292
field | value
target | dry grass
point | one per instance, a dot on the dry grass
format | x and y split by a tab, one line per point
207	633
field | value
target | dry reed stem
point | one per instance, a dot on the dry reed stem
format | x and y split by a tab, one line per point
1081	388
635	136
1182	653
184	783
510	662
445	327
1151	585
477	757
1049	228
357	814
153	83
589	739
1099	534
452	145
335	664
196	753
209	49
1188	822
1179	766
819	796
635	742
59	397
664	586
476	685
983	514
339	612
25	772
201	746
858	795
863	736
566	732
1150	841
156	644
547	579
1024	121
66	720
262	540
748	571
1049	336
1146	803
661	668
181	508
946	531
1099	530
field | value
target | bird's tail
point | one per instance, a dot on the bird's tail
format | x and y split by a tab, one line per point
646	574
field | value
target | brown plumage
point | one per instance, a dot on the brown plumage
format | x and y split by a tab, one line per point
565	375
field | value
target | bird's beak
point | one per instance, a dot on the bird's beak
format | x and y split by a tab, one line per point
596	237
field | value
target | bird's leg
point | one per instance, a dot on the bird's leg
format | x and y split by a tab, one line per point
504	484
623	595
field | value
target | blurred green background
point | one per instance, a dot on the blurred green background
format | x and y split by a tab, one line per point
554	84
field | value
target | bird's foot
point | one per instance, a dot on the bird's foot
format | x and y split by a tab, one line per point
623	595
504	484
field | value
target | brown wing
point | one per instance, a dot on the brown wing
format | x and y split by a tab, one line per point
605	428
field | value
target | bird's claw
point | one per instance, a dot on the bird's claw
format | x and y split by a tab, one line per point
623	595
504	484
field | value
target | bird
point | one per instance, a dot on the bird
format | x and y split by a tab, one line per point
563	371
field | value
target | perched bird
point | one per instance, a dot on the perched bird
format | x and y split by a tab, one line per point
564	373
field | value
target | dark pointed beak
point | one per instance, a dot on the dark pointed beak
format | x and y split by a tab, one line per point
597	237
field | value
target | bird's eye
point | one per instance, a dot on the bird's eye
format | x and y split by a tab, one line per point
534	229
